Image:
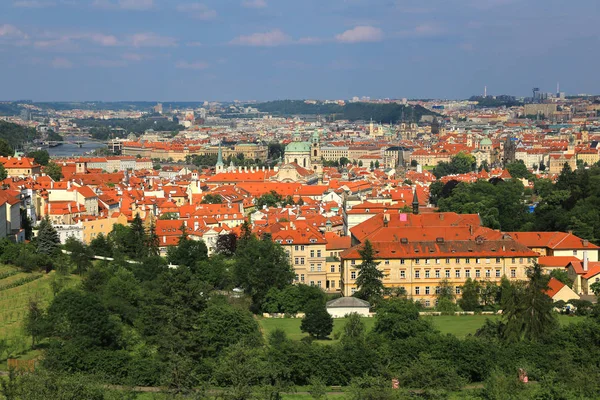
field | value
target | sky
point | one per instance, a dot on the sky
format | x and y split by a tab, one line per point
185	50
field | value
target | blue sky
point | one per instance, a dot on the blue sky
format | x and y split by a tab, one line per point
275	49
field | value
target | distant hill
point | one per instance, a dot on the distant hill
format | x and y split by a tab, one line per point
385	113
16	135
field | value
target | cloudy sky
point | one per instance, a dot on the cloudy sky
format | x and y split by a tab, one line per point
276	49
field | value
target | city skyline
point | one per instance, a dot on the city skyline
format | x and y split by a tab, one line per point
113	50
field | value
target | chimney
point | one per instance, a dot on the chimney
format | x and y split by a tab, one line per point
585	261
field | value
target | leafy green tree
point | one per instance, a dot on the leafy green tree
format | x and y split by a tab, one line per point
47	239
3	173
40	156
562	276
80	254
261	264
369	279
226	244
518	169
445	297
271	199
54	171
595	288
459	164
100	246
152	241
317	388
240	370
469	300
398	318
212	199
317	322
138	239
35	324
5	149
188	252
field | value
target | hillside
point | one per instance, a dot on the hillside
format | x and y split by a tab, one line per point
385	113
16	135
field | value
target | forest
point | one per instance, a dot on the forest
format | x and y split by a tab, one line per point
134	321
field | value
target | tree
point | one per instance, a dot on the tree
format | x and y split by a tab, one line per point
317	322
35	322
47	239
100	246
152	241
5	149
226	244
212	199
470	295
40	156
80	254
445	297
261	264
518	169
595	287
376	164
360	163
54	171
527	309
188	252
138	239
562	276
399	318
3	173
369	280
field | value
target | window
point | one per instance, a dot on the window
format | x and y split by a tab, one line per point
514	260
437	290
332	284
457	290
457	273
498	260
427	303
477	273
301	277
513	273
416	260
497	273
387	262
426	289
437	260
318	253
302	248
332	269
296	247
487	260
312	267
467	273
301	260
417	274
402	274
447	273
296	278
467	260
318	267
312	253
427	273
447	261
520	260
353	290
402	262
458	260
318	283
312	283
488	273
477	261
417	290
427	261
353	275
296	260
353	262
575	252
437	273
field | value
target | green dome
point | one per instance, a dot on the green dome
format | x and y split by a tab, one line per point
298	147
485	142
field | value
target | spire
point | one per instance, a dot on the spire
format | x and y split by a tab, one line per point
219	165
415	202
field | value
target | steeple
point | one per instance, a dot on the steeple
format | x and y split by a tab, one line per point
415	202
219	166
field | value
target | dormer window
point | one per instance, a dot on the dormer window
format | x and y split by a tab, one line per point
289	241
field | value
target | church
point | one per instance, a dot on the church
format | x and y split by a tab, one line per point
302	161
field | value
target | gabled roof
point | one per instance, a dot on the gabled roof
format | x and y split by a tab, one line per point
552	240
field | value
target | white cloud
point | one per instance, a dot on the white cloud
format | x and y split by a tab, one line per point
198	11
197	65
254	3
272	38
103	63
33	4
104	40
8	30
149	39
358	34
61	63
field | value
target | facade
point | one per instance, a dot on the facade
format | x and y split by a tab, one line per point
20	166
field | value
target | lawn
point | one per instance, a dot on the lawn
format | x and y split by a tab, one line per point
14	303
459	325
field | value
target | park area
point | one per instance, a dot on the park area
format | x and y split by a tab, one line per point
458	325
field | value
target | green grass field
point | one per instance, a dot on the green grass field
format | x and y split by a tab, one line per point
459	325
14	303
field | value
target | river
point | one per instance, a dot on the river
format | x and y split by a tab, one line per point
69	149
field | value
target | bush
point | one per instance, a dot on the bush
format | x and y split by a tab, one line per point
317	322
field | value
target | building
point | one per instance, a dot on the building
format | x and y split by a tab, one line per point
343	306
558	291
20	166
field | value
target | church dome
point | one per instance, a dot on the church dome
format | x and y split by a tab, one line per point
298	147
485	142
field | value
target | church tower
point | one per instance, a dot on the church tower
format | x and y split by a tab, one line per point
315	154
219	166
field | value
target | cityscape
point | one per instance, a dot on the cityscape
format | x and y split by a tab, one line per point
346	234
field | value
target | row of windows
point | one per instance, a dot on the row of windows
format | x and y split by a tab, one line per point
328	284
457	274
498	260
